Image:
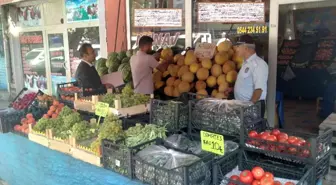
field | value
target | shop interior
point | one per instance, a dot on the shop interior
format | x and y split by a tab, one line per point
305	65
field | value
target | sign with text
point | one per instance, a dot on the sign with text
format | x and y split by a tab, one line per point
161	39
157	17
102	109
205	50
252	29
213	143
231	12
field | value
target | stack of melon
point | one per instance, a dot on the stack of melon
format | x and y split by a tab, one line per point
213	77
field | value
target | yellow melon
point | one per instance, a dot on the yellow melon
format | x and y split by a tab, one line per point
216	70
194	67
184	87
239	66
224	46
237	59
182	70
228	66
201	94
200	85
188	77
180	61
176	82
214	92
165	74
159	84
167	54
231	76
176	92
223	87
202	74
157	76
230	53
190	58
173	69
211	81
170	81
221	79
177	57
206	63
168	90
221	58
220	95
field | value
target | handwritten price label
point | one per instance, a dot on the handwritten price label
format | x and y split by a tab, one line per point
102	109
213	143
205	50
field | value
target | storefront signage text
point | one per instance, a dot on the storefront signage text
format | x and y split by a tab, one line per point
212	142
161	39
31	39
252	29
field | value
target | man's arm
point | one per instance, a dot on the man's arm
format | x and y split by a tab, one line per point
155	64
260	76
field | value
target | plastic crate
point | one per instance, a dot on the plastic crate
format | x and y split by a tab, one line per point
321	169
22	94
173	114
320	145
246	161
224	124
197	173
130	121
68	103
10	119
60	90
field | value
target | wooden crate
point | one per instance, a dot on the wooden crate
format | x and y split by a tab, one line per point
58	144
38	137
129	111
86	104
84	153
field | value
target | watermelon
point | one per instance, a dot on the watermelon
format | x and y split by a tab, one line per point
125	69
102	71
112	58
129	53
122	55
100	63
126	60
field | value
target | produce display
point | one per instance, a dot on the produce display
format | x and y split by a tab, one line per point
127	97
116	62
24	101
161	166
281	142
24	127
287	51
188	73
256	176
323	54
224	116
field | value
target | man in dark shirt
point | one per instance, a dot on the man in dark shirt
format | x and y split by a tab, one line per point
86	74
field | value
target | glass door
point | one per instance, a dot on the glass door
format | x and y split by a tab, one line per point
59	69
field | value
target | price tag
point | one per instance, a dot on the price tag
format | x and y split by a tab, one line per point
102	109
212	142
205	50
117	162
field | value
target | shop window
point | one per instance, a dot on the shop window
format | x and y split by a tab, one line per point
33	60
78	36
176	36
77	10
29	16
53	12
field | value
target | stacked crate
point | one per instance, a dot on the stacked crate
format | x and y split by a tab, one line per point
330	122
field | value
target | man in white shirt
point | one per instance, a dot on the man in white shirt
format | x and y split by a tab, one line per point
251	84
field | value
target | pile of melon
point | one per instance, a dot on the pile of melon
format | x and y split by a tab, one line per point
212	77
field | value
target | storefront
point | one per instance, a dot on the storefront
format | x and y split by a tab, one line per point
45	37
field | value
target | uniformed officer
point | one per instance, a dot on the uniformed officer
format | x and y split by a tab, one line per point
251	84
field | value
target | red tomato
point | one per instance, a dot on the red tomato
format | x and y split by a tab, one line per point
262	147
292	150
258	173
291	139
246	177
256	182
301	141
253	134
277	183
234	177
267	181
282	136
269	175
289	183
264	135
271	138
282	147
275	132
305	153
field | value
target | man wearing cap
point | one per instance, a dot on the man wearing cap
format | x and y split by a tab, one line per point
251	84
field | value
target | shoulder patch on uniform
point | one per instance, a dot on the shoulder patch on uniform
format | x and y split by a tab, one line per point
247	69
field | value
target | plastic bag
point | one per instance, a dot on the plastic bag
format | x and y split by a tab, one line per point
161	166
288	74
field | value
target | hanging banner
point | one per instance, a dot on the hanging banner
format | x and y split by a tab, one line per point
29	16
157	17
161	39
79	10
231	12
33	60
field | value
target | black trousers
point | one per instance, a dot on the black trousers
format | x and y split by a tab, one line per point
262	107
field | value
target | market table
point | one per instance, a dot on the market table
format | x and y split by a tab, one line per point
25	162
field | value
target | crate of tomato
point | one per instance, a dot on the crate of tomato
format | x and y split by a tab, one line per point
288	145
246	168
